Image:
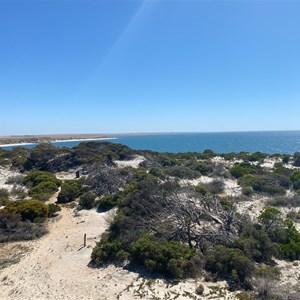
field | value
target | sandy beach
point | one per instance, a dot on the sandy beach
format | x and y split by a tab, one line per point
58	141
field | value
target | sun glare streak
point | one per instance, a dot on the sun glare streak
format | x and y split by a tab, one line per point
128	30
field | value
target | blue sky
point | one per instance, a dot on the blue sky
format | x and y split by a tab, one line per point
149	66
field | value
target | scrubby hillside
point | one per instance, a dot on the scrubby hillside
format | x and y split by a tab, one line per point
228	222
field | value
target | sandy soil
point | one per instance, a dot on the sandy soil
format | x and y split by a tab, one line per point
56	267
289	272
231	186
66	175
253	207
134	163
4	175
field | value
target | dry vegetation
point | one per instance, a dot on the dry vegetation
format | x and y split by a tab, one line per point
172	226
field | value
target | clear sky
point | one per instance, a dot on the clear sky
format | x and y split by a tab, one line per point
149	66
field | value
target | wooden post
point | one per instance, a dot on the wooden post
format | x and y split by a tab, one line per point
84	240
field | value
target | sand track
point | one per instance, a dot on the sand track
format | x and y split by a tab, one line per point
56	266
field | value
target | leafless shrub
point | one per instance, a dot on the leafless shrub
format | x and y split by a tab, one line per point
199	289
19	192
216	186
17	180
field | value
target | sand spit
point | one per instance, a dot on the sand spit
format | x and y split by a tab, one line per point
33	139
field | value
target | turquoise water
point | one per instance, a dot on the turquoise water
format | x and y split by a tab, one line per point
222	142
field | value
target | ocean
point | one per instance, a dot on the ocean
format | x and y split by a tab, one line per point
221	142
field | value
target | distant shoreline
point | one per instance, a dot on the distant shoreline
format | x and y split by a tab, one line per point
57	141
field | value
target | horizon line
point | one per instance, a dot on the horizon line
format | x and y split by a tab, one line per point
149	132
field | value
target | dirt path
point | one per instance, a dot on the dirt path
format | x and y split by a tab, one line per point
56	267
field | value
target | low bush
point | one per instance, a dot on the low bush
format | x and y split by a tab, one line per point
282	232
182	172
230	263
294	215
215	187
87	200
43	191
296	159
199	289
201	189
53	209
272	184
203	167
31	210
35	177
42	185
157	172
293	201
12	228
169	258
279	168
241	170
4	197
295	179
18	192
106	251
70	190
257	156
107	202
18	180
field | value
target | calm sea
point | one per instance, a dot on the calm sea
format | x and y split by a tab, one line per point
269	142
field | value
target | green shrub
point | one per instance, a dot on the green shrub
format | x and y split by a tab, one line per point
295	179
161	256
12	228
43	191
201	189
247	191
105	251
42	184
70	190
285	158
35	177
257	156
53	209
280	169
296	159
282	232
230	263
87	200
4	196
157	172
241	170
272	184
182	172
203	167
32	210
255	243
108	202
